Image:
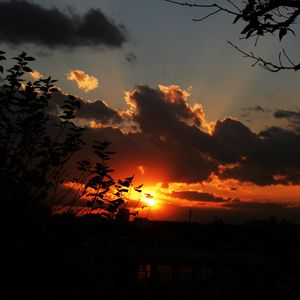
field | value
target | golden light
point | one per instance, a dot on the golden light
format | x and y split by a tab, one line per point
149	199
150	202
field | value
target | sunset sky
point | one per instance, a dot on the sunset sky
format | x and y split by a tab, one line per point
186	114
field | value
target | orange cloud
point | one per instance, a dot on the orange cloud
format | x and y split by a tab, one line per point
84	81
36	75
141	169
174	93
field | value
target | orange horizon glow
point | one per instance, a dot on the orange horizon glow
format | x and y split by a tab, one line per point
156	200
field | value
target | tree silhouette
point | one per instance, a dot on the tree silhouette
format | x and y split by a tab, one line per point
36	148
32	161
262	17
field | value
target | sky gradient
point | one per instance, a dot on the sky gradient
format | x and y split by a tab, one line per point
185	112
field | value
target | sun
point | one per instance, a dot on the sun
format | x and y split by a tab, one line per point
150	202
149	199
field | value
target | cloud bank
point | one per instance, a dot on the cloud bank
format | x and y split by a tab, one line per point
169	137
198	196
26	22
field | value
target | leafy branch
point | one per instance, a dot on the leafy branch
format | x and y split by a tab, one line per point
262	17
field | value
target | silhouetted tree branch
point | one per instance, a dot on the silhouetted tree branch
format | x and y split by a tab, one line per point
262	17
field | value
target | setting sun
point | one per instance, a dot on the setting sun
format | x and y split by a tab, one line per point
148	198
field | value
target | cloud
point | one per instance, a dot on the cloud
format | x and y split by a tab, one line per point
172	126
197	196
270	157
141	169
174	117
256	205
167	137
256	108
27	22
287	114
97	111
232	141
292	116
171	135
131	57
35	75
84	81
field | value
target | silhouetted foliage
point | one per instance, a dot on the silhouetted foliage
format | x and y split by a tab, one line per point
32	161
36	147
100	190
262	17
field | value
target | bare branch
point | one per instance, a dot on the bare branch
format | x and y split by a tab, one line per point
213	5
207	16
261	17
269	66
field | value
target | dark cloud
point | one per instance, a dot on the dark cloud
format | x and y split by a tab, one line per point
292	116
167	143
131	57
171	145
256	205
97	110
167	120
272	158
164	113
197	196
254	109
287	114
233	141
27	22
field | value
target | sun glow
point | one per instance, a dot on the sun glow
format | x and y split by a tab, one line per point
148	198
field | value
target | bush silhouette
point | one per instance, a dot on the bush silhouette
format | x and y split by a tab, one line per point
32	160
35	148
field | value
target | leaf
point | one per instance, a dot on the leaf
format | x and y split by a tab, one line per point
90	204
29	58
282	33
100	203
130	178
249	33
112	208
27	69
118	201
268	17
23	54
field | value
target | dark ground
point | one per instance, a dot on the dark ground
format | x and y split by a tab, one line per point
64	257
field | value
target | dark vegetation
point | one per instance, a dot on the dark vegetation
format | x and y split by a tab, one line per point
66	256
36	150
